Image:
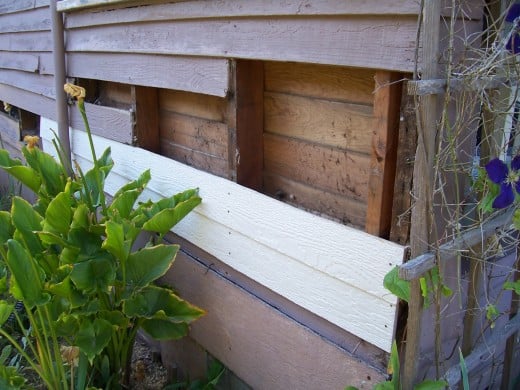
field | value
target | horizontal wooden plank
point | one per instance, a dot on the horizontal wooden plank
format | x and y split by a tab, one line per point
382	42
234	222
196	158
228	8
71	5
331	169
27	62
202	75
26	41
9	6
38	19
33	82
108	122
199	134
342	125
193	104
9	129
340	208
352	85
28	101
264	347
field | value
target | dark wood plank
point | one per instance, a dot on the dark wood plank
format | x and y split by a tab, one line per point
384	153
407	145
261	345
145	103
194	158
193	104
326	122
350	85
249	106
199	134
195	74
330	205
338	171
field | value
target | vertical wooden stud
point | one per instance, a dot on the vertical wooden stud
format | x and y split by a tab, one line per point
422	210
246	147
145	102
384	152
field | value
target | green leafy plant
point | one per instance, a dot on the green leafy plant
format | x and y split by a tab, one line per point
70	259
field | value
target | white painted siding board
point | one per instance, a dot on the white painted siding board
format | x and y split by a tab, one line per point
248	246
382	42
194	74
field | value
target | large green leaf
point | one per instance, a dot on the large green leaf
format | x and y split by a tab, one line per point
164	329
148	264
139	183
115	242
29	276
5	311
52	173
96	274
6	228
59	214
396	285
27	222
93	336
157	302
164	220
14	167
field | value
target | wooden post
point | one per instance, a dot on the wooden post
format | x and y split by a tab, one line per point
384	153
145	102
422	219
246	123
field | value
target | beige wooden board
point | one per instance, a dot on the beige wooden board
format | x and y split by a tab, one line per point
39	84
38	19
193	104
234	8
195	158
108	122
199	134
27	62
201	75
352	85
330	269
9	129
28	101
337	207
26	41
264	347
115	94
342	125
328	168
386	42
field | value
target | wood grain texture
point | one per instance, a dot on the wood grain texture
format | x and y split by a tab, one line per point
108	122
27	62
271	353
338	171
349	85
383	42
199	134
325	260
145	104
193	104
9	129
315	200
383	155
330	123
26	41
196	74
28	100
38	19
222	8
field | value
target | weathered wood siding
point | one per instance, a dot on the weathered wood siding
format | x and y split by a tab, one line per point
26	64
317	137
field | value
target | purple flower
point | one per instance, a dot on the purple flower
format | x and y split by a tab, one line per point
499	173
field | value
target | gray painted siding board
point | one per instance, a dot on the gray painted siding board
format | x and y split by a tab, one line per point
26	41
383	42
10	6
39	84
38	19
26	62
195	74
28	101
